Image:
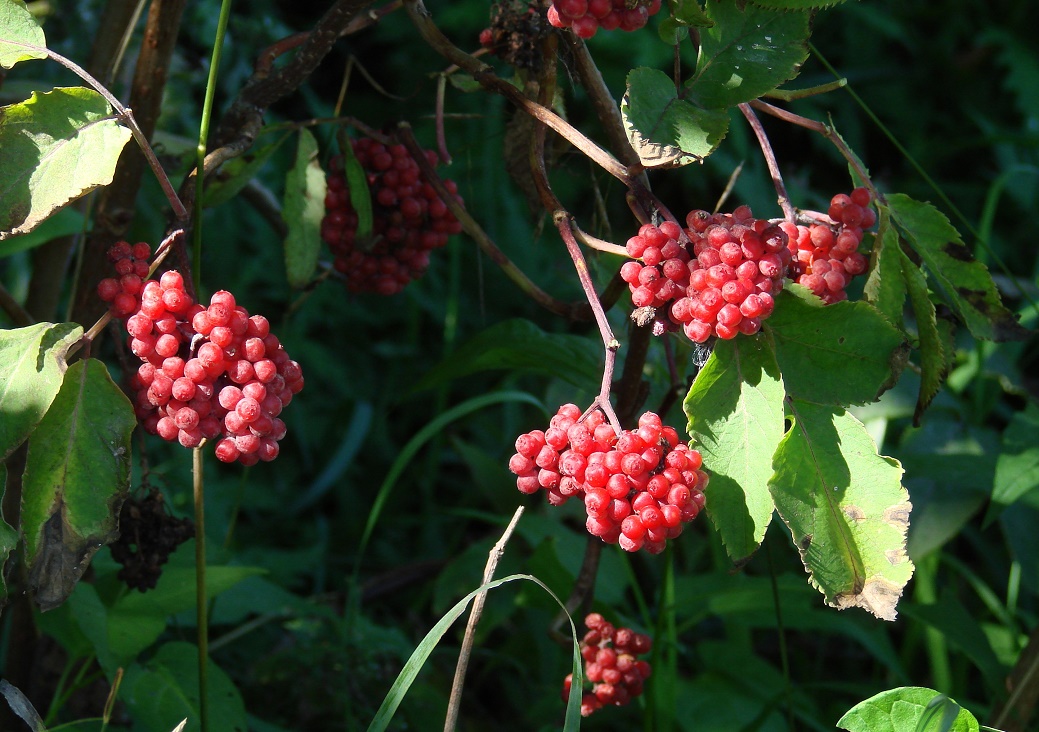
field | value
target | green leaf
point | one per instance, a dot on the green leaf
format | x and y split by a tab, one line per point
357	187
965	282
936	347
165	690
885	287
64	222
749	51
18	25
57	147
735	413
796	4
32	362
235	174
303	211
664	129
846	509
841	354
8	539
519	345
1017	467
77	474
901	710
689	12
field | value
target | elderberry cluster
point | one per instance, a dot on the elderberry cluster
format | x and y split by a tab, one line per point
639	487
825	257
207	372
585	17
610	665
148	534
409	219
720	281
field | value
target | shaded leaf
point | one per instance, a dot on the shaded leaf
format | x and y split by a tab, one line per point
8	539
885	288
901	710
520	345
735	413
796	4
689	12
57	147
663	129
304	208
749	51
165	690
936	354
846	509
76	476
357	187
965	282
18	25
841	354
64	222
1017	467
235	174
32	362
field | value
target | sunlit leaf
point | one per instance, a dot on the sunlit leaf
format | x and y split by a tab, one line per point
304	208
936	347
885	288
18	25
902	709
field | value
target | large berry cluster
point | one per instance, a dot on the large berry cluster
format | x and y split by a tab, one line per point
409	219
585	17
148	534
721	282
207	372
639	487
610	664
826	257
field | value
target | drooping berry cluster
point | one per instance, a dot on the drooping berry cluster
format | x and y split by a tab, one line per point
148	534
611	665
409	219
825	257
123	292
722	282
208	372
639	487
515	34
585	17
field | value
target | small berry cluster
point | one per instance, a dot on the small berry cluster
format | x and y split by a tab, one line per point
148	534
585	17
515	34
207	372
721	283
639	487
824	257
409	219
122	293
610	664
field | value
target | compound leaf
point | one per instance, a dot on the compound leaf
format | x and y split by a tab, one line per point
57	147
76	475
735	413
964	281
304	208
840	354
846	509
32	362
18	25
747	52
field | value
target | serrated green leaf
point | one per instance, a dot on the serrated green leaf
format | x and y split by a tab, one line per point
689	12
965	282
165	690
519	345
663	129
796	4
360	193
846	509
1017	467
235	174
901	710
935	360
749	51
57	147
76	476
885	287
18	25
735	413
32	362
841	354
304	208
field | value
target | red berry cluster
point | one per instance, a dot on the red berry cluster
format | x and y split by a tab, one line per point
639	487
721	283
610	664
585	17
123	292
409	219
825	257
206	372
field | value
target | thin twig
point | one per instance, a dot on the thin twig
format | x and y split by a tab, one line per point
770	160
495	555
19	315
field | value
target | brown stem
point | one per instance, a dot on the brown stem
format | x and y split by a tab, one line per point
770	160
19	315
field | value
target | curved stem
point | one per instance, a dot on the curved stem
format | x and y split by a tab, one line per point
770	159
